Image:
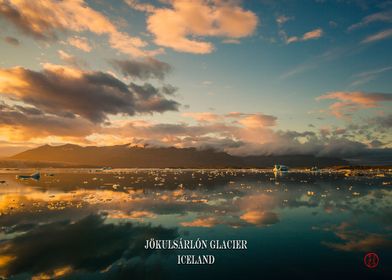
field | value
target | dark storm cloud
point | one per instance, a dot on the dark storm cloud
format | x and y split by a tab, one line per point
142	69
12	41
92	95
88	245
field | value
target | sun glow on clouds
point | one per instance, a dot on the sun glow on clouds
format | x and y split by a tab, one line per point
55	89
311	35
80	43
179	25
107	105
66	104
314	34
247	120
350	102
259	217
201	222
74	16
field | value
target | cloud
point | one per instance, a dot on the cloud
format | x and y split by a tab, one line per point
236	133
358	241
133	215
71	59
203	116
151	99
311	35
80	43
260	217
341	147
231	41
145	69
142	7
315	61
183	25
235	138
99	246
65	56
244	134
24	123
349	102
93	95
378	36
292	39
161	132
12	41
258	120
62	16
314	34
368	76
333	24
376	144
361	243
247	120
382	121
201	222
384	16
282	19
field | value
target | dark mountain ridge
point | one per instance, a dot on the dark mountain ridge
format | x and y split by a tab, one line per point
132	157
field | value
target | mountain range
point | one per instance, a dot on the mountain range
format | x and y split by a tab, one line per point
153	157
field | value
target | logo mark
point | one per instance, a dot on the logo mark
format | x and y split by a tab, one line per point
371	260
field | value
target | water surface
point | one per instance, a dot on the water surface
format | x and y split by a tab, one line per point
92	224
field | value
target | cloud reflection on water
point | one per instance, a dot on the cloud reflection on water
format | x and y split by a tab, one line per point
88	244
105	216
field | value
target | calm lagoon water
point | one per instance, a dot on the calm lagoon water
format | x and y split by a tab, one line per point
92	224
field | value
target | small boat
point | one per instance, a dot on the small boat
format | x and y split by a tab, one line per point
280	168
35	176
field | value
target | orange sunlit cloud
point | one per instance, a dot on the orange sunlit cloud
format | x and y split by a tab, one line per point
177	26
69	15
348	102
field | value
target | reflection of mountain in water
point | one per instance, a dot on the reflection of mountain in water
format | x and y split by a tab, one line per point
86	247
126	156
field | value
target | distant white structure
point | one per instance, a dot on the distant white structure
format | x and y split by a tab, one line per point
280	168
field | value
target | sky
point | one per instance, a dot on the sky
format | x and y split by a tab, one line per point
246	77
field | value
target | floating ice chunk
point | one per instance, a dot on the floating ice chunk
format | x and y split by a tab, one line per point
35	176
